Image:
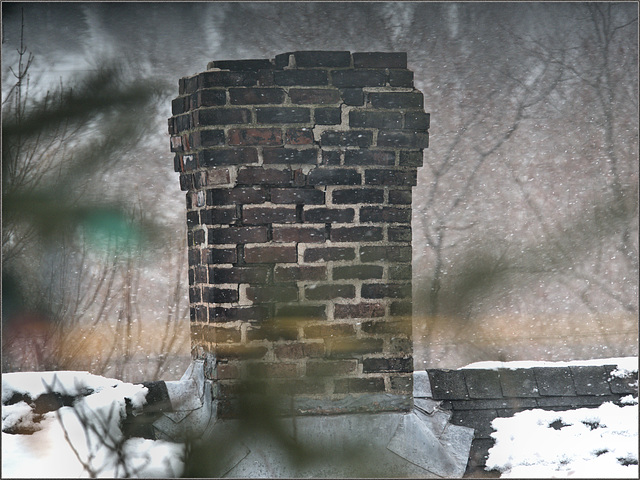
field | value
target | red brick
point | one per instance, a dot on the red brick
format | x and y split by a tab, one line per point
299	136
271	254
255	136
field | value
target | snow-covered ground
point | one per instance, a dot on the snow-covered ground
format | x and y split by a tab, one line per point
85	439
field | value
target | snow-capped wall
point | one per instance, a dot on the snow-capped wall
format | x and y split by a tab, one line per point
299	173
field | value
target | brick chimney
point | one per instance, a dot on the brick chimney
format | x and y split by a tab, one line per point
298	174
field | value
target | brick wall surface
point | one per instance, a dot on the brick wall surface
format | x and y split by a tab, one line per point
299	173
476	397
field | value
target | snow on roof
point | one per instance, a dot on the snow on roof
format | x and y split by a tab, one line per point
625	365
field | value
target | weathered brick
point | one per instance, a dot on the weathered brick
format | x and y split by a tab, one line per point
328	292
358	195
193	219
283	115
227	156
219	295
400	100
237	195
385	214
356	234
238	274
255	96
554	381
352	96
483	383
400	272
401	78
270	254
314	96
290	155
208	98
328	215
411	158
359	385
327	116
388	254
388	176
358	78
400	197
198	313
402	384
242	352
300	77
194	257
302	312
266	215
403	139
207	138
221	116
195	237
400	309
232	314
198	274
331	368
329	330
303	272
217	216
273	293
360	310
297	195
299	136
299	350
399	234
179	105
350	138
182	122
219	255
369	157
237	235
263	176
417	120
328	253
375	119
334	176
380	59
298	234
389	290
228	79
362	272
255	136
380	365
331	157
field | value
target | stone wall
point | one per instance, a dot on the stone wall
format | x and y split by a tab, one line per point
299	173
475	397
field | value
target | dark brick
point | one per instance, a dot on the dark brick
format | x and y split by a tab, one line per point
329	253
356	234
400	272
389	290
359	385
327	116
219	295
238	275
283	115
417	120
297	195
400	100
239	65
237	235
195	237
188	84
242	352
228	79
318	58
362	272
194	257
399	234
208	138
387	176
369	157
385	327
358	195
271	254
375	119
179	105
209	98
314	96
483	383
199	274
219	255
272	370
520	382
300	77
328	292
273	293
380	365
208	333
590	380
358	78
381	254
402	309
329	330
255	136
331	368
299	350
182	122
227	156
222	116
290	274
266	215
402	384
188	162
302	312
400	197
217	216
237	195
351	138
298	136
232	314
193	219
334	176
198	313
554	381
255	96
331	157
360	310
411	159
385	214
328	215
401	78
403	139
290	155
380	60
352	96
262	176
298	234
448	384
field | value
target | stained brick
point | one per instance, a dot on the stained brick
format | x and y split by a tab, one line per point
400	272
401	78
255	136
195	237
208	138
297	195
255	96
314	96
290	155
417	120
321	58
179	105
227	156
400	100
237	235
359	385
399	234
380	365
362	272
411	158
360	310
358	195
266	215
304	272
263	176
221	116
209	98
195	294
400	197
328	215
385	214
358	78
208	333
356	234
334	176
298	234
369	157
240	65
328	292
350	138
330	157
299	136
270	254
